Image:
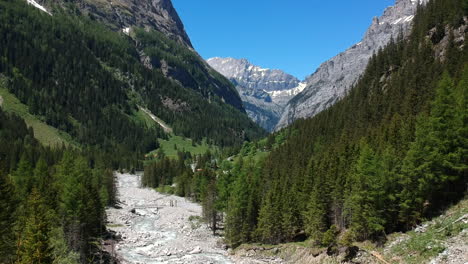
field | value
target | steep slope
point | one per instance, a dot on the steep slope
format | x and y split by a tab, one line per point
389	155
336	76
264	92
158	15
88	81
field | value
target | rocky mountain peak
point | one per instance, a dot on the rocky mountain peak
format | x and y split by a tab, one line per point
336	76
159	15
253	77
264	92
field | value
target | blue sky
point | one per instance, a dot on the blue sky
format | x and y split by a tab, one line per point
292	35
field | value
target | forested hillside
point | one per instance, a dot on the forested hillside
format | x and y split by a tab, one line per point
72	76
389	155
51	200
88	81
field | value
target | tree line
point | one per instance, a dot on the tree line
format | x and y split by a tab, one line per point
389	155
52	200
87	80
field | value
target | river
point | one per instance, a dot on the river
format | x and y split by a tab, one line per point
158	228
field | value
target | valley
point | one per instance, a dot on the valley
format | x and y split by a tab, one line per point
158	228
120	143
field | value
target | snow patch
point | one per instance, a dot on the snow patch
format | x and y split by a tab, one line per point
403	20
291	92
126	31
38	6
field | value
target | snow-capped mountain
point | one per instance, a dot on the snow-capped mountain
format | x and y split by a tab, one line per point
264	92
336	76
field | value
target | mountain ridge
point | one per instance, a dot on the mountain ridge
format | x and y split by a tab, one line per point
263	91
335	77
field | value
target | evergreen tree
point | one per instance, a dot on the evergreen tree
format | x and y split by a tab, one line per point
434	162
364	206
316	221
7	219
34	244
23	177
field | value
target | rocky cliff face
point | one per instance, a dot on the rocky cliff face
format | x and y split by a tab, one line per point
335	77
159	15
264	92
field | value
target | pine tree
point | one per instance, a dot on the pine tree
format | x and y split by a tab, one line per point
34	244
7	219
434	162
316	221
236	211
23	177
269	229
364	206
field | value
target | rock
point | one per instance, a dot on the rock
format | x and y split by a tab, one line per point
196	250
421	228
275	251
156	14
264	92
336	76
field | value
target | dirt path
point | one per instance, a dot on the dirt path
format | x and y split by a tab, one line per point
164	126
155	228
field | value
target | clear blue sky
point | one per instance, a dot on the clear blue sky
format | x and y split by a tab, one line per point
292	35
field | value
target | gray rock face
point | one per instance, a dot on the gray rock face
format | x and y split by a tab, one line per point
264	92
335	77
120	14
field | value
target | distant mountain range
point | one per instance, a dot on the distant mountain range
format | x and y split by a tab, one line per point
264	92
275	99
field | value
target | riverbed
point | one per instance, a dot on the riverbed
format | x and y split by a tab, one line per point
157	228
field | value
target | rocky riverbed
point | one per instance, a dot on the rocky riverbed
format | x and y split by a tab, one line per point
158	228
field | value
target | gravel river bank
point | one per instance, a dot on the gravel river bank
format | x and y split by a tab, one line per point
158	228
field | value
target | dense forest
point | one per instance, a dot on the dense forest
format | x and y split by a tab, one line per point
89	81
51	200
387	156
81	78
390	154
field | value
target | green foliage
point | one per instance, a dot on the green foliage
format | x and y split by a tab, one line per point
61	253
46	134
7	218
34	245
420	247
175	144
88	82
329	237
384	158
365	201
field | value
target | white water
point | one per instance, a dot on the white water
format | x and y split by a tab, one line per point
160	235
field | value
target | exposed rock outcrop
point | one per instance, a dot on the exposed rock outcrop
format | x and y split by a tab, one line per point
264	92
336	76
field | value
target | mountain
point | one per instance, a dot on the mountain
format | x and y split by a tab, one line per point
157	15
90	79
387	156
264	92
335	77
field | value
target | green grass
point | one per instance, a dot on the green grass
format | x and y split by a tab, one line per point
177	143
46	134
421	247
144	118
166	189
